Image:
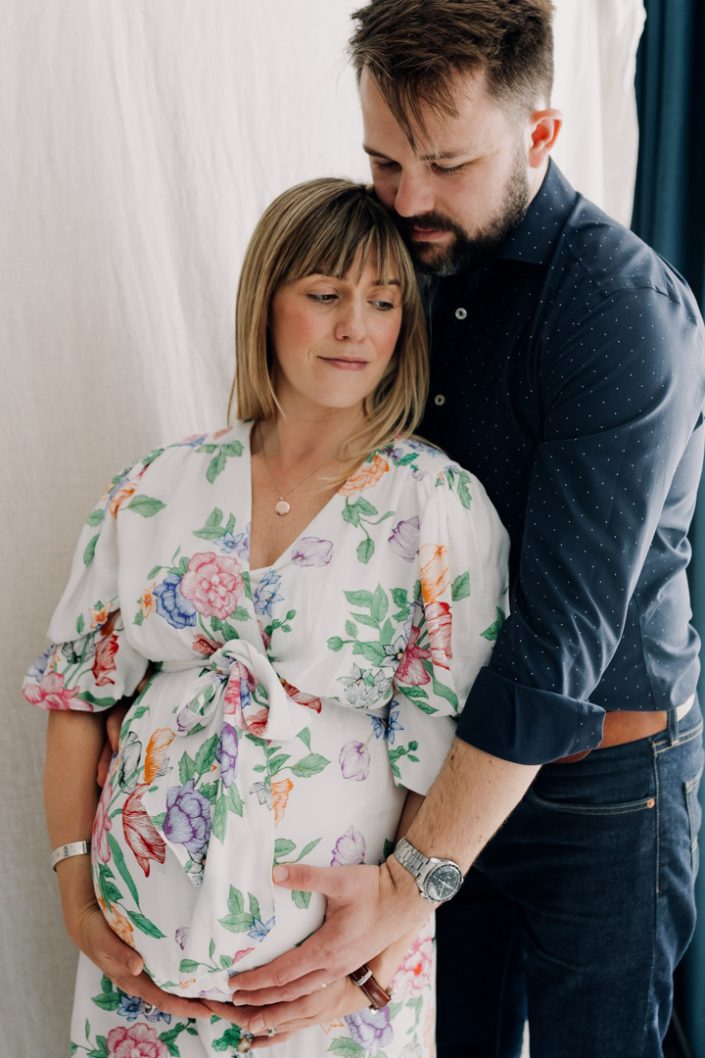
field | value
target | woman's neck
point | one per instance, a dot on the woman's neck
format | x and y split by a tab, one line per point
294	441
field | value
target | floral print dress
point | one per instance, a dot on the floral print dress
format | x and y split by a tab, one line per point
288	711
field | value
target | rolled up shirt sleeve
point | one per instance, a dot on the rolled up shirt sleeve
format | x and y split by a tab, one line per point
623	390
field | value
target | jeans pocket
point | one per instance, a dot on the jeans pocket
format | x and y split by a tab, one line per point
586	809
692	803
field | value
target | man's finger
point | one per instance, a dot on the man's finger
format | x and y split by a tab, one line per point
330	881
262	997
314	956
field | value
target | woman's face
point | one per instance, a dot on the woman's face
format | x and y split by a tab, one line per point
333	338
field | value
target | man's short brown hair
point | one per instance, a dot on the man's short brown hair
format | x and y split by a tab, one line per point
411	46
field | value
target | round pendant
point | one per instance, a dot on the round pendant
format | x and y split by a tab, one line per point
282	507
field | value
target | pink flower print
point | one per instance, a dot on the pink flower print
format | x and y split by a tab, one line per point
137	1041
439	622
140	832
349	849
404	539
414	972
104	662
310	551
354	761
309	700
212	583
203	645
410	669
50	693
101	825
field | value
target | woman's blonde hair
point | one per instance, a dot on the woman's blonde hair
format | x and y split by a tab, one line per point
320	227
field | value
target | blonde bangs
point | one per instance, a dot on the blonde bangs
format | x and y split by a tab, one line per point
327	227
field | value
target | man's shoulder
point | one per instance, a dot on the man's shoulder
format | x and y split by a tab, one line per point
607	258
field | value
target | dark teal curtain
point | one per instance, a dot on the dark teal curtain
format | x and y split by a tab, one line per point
669	214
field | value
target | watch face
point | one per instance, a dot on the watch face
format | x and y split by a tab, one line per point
443	882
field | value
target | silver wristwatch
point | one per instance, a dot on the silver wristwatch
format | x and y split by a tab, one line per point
437	879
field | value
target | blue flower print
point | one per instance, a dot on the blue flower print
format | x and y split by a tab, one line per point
171	605
266	593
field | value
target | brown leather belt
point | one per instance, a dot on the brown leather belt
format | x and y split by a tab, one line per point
629	725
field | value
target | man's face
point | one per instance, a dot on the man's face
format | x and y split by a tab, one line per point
464	186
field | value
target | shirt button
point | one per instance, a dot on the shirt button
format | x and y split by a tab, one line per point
439	400
461	313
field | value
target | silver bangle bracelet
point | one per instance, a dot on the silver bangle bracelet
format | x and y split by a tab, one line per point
73	848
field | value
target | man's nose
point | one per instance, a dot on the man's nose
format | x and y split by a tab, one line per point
413	196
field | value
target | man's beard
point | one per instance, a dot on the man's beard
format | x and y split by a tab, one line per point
468	251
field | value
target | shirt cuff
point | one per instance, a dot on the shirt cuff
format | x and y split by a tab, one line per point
526	725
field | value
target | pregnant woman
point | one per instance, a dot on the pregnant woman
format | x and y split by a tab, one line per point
304	598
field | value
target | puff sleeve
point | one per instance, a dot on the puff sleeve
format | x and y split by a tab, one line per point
460	603
90	663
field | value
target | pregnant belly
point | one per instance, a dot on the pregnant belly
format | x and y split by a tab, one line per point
189	825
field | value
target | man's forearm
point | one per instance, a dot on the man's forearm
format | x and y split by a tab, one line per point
470	799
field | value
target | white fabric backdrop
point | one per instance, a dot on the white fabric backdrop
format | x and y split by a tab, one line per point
139	143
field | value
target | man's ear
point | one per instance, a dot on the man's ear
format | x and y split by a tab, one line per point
543	131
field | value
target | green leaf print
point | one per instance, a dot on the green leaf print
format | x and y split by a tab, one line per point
236	901
373	652
335	643
282	847
220	816
237	923
145	925
228	1041
206	755
301	898
107	1001
351	629
346	1047
89	553
460	589
306	849
379	604
188	966
216	467
365	550
305	736
187	767
102	703
359	598
80	624
495	628
253	903
146	506
108	890
464	491
366	619
119	861
351	514
234	800
310	765
442	691
215	518
95	517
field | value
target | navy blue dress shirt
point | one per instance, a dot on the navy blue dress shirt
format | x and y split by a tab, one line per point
568	373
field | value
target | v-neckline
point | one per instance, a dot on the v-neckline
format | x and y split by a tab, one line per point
279	560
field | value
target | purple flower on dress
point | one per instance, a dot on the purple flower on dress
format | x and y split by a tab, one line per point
39	667
310	551
171	604
226	754
379	725
349	849
393	723
266	593
354	761
404	539
181	936
188	819
370	1029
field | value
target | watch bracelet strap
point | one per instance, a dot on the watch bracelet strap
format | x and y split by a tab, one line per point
368	983
71	848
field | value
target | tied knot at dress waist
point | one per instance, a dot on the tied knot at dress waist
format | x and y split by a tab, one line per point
238	683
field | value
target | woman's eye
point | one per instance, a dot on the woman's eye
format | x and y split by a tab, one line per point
384	306
323	299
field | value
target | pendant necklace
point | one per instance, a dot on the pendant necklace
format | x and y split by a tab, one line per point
282	507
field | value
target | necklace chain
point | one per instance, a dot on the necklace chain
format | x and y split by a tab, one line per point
282	507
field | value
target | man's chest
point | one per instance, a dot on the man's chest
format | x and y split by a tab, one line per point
485	406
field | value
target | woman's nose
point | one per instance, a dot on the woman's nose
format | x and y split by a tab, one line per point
350	325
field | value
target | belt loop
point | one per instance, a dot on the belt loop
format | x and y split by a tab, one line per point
672	726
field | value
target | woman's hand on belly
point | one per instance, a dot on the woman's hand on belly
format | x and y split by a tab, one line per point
91	933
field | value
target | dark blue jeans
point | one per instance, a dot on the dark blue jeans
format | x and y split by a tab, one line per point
579	909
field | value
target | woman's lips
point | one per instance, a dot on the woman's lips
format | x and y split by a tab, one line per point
343	364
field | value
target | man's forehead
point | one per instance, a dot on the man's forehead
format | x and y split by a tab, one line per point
471	130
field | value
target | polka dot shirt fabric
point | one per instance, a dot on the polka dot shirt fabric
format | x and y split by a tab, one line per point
568	373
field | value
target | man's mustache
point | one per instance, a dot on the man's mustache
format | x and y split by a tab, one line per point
435	221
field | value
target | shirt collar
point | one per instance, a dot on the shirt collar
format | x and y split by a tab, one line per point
534	237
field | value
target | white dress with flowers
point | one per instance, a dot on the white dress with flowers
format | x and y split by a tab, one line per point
290	710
